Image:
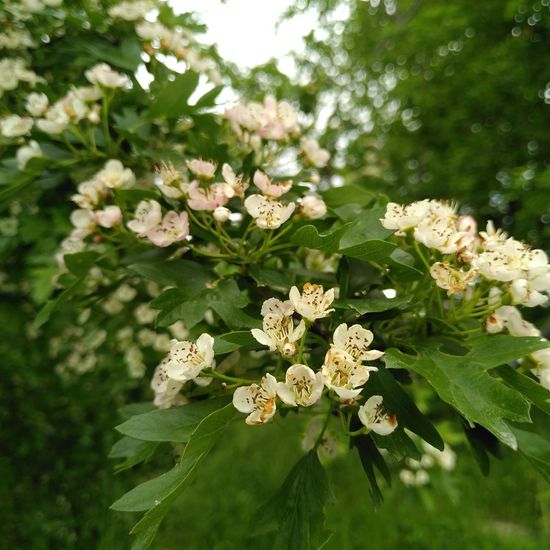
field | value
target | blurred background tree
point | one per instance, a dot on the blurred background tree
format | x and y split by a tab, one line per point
433	99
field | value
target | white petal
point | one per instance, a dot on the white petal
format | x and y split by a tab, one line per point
243	398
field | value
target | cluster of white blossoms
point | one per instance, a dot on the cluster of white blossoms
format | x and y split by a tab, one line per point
94	198
274	120
185	362
417	472
522	273
161	230
13	39
341	372
24	9
13	71
131	11
180	43
509	319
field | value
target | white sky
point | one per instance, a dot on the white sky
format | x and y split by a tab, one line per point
244	30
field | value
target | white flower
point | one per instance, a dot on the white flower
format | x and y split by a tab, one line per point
215	195
147	216
263	182
169	180
400	218
83	219
451	279
446	459
343	374
187	360
103	75
522	293
492	237
55	121
115	176
314	153
109	216
131	11
26	153
89	193
312	207
440	233
167	390
15	126
221	214
202	168
258	401
279	332
373	416
301	386
313	303
173	228
355	341
36	104
269	214
237	183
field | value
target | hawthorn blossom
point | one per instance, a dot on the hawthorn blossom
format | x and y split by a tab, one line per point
15	126
89	193
313	302
279	332
259	401
312	207
375	418
114	175
221	214
167	390
26	153
315	154
237	183
301	387
492	237
451	279
355	341
203	169
131	11
199	198
400	218
36	104
268	213
103	75
441	233
186	360
55	120
84	220
343	374
173	228
147	216
263	182
109	216
170	181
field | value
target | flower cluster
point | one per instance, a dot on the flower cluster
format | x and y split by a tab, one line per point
417	472
521	273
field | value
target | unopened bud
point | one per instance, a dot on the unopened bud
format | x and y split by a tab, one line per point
221	214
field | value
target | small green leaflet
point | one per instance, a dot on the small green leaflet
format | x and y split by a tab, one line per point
171	101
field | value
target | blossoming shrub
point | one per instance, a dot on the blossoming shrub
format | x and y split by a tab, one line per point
211	248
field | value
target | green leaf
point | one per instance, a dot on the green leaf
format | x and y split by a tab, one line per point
466	386
171	101
209	98
152	493
537	394
296	511
80	263
243	339
372	305
398	444
175	424
494	350
370	458
199	446
192	277
309	236
347	194
275	279
174	305
133	451
398	401
52	305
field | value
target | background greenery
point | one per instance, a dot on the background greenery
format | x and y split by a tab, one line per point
466	119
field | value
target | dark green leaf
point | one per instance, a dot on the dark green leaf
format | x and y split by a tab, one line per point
296	511
537	394
175	424
171	101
